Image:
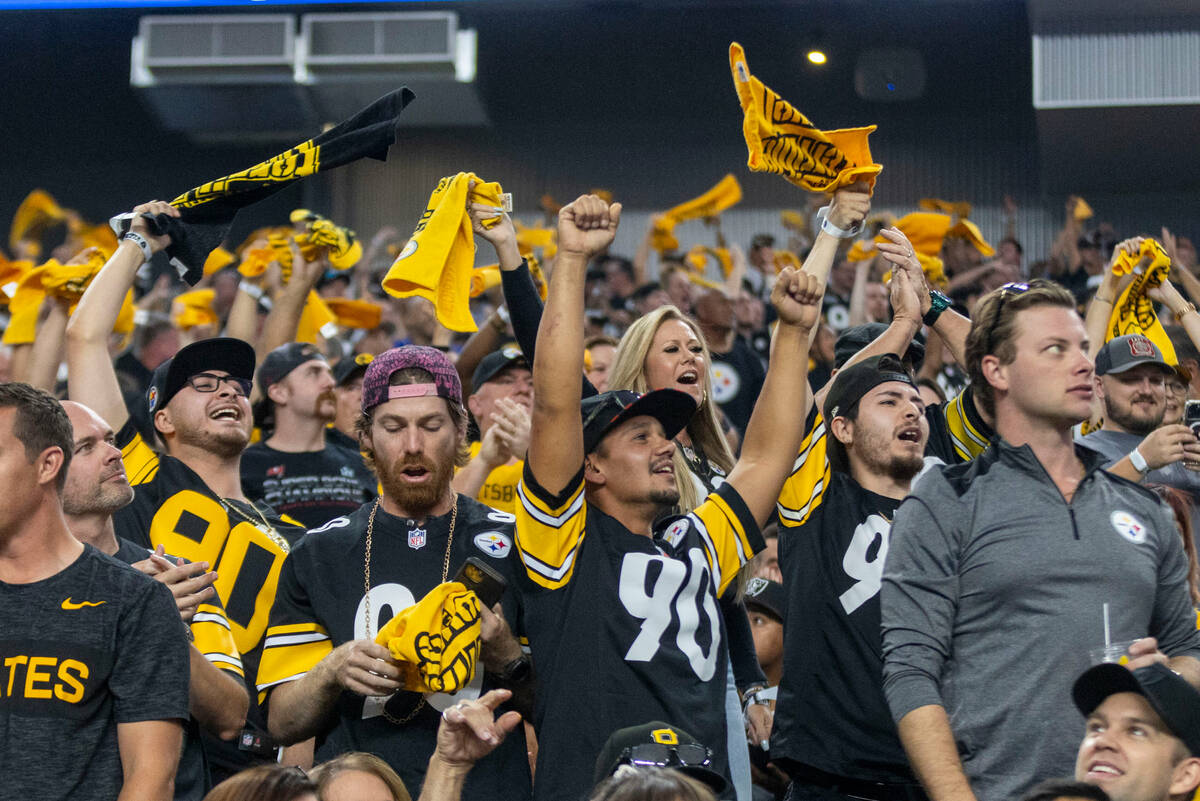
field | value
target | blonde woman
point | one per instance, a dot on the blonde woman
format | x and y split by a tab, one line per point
666	350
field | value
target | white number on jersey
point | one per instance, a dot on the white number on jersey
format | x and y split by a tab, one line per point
864	561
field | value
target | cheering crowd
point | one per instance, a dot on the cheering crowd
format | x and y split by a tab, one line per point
880	512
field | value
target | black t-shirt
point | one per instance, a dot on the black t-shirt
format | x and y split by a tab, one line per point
91	647
311	487
831	713
836	310
737	378
172	506
320	605
624	629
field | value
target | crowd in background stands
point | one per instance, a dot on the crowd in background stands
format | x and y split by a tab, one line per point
306	467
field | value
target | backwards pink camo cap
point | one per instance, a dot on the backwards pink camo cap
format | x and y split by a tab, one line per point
377	390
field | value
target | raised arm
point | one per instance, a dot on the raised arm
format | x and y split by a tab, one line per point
775	429
280	325
91	379
585	227
48	345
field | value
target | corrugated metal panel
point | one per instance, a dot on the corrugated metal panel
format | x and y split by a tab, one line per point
1157	65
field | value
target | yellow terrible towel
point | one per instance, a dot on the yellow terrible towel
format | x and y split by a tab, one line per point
783	141
727	192
192	309
1133	313
484	278
965	229
437	262
37	213
351	313
436	641
316	318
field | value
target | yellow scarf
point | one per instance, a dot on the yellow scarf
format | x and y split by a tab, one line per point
436	641
726	193
437	262
1133	313
781	140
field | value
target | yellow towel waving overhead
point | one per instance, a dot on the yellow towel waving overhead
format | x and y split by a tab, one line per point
727	192
316	318
484	278
965	229
351	313
436	641
192	309
960	209
37	213
1133	313
783	141
1082	210
437	262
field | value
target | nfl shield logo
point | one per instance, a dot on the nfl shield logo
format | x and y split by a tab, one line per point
416	538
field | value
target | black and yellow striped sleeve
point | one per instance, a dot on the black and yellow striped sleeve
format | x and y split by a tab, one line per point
549	529
141	462
805	488
728	532
969	434
295	640
213	638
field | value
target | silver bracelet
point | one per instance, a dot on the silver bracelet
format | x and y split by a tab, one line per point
141	242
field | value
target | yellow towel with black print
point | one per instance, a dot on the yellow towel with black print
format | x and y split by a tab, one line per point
437	262
207	211
781	140
341	244
1133	313
436	641
727	193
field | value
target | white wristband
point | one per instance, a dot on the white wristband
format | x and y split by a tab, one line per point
140	241
1138	461
256	292
833	230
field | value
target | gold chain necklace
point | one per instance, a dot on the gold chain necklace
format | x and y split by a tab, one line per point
266	528
367	594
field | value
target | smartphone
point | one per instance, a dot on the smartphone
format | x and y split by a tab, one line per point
488	584
1191	416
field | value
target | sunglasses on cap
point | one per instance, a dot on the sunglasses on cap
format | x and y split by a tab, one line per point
208	382
656	755
1013	288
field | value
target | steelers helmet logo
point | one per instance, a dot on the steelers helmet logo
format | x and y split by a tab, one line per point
725	382
152	398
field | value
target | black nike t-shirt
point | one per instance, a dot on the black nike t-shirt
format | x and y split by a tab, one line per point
91	647
311	487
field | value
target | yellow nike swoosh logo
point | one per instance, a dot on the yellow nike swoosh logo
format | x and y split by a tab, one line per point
69	604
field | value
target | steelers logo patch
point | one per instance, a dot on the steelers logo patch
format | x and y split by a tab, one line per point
1129	527
493	543
725	382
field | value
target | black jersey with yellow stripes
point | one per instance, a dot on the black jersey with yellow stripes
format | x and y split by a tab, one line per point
831	713
624	629
321	604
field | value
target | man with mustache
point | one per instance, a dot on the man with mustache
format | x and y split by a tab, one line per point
322	674
298	470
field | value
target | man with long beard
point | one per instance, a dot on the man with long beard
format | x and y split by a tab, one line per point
322	673
297	470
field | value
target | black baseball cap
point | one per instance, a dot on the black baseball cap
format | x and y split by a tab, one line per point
495	363
217	353
348	368
767	595
1175	701
1126	352
656	733
858	379
606	411
283	360
857	337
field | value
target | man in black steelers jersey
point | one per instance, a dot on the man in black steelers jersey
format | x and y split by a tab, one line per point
322	674
298	470
189	497
621	607
834	734
96	488
93	656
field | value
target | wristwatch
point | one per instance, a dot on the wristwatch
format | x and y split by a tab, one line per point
938	303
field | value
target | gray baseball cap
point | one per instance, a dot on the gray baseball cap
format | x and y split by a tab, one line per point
1124	353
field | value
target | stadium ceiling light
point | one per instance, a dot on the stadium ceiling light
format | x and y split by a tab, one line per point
817	56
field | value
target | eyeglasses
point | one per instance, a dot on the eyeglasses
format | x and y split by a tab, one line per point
656	755
207	382
1013	288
